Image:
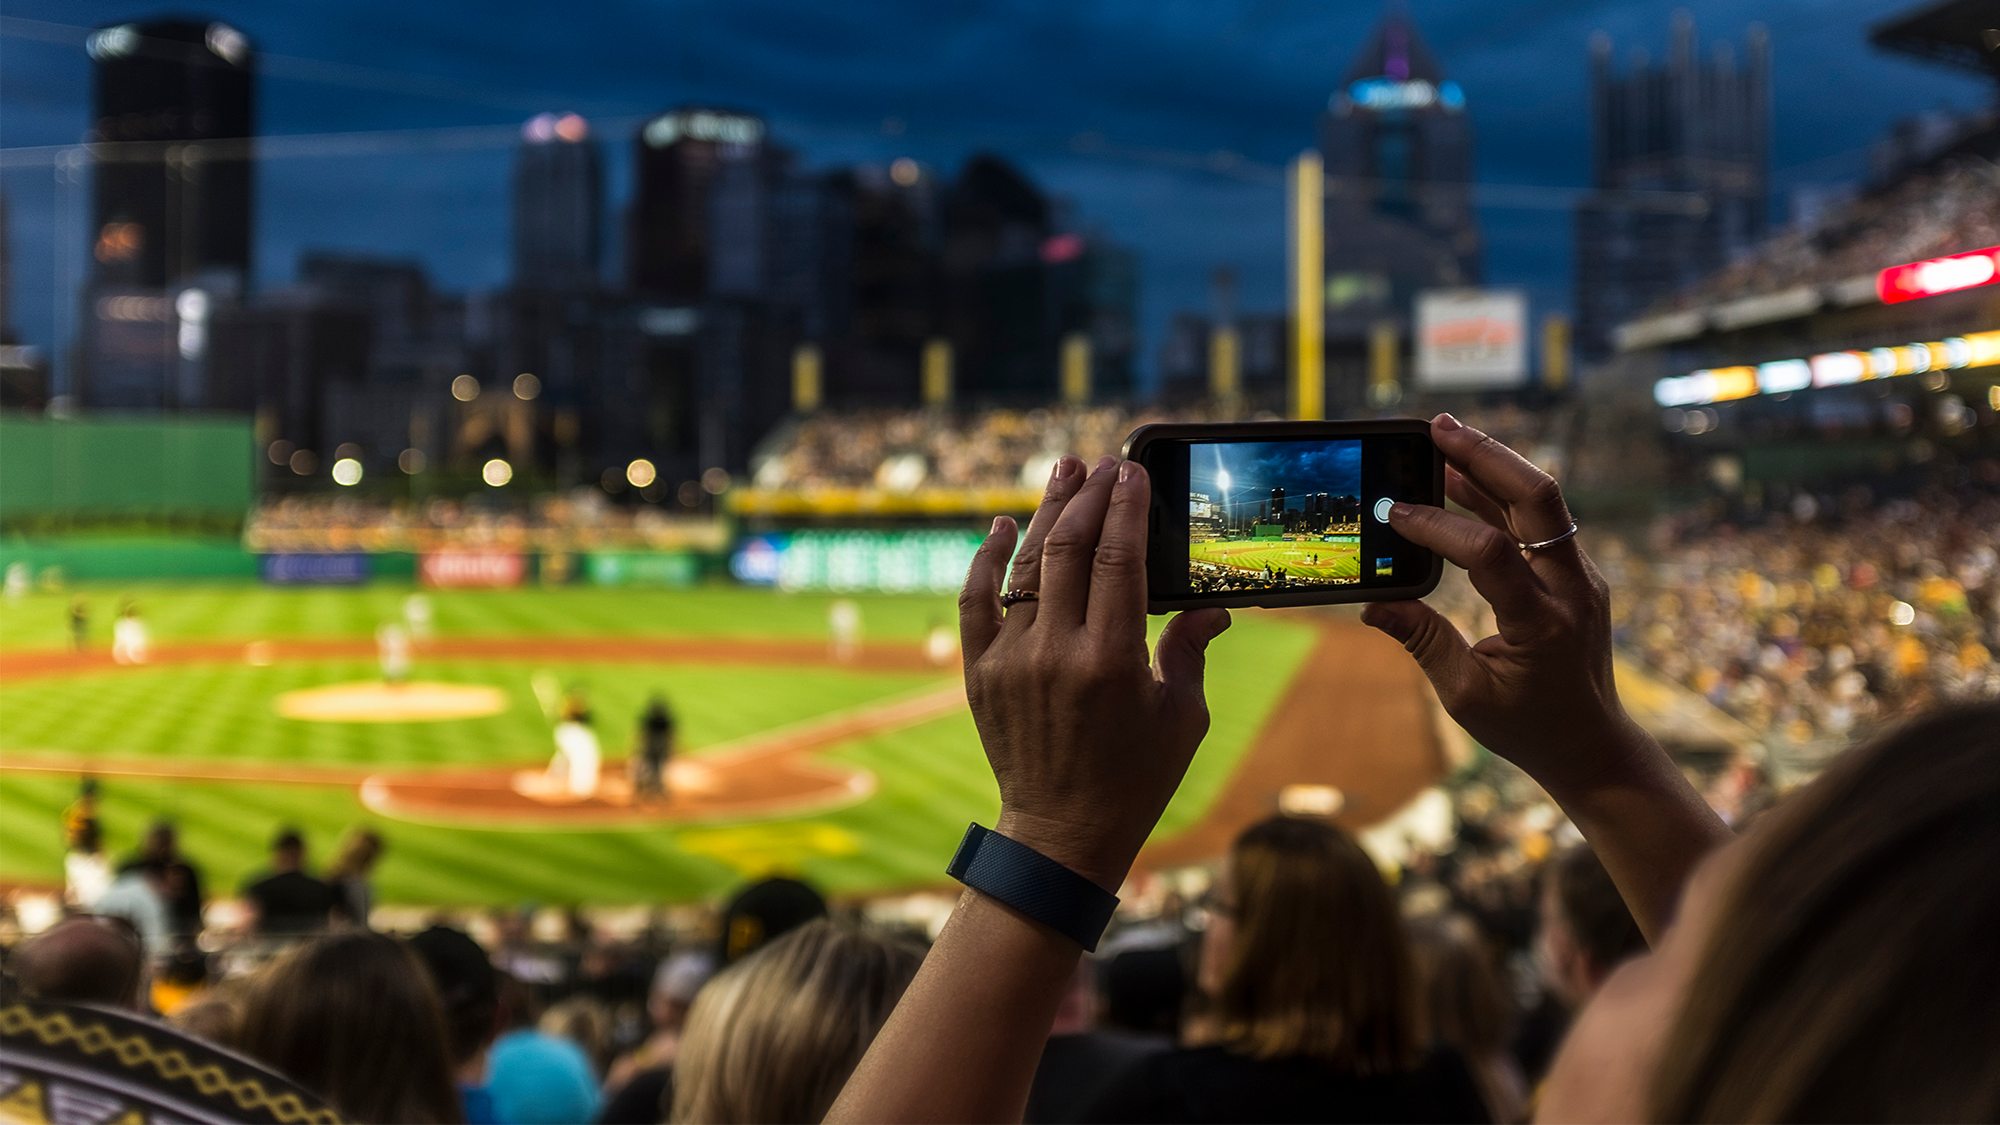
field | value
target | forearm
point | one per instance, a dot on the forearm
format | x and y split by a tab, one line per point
1646	823
964	1042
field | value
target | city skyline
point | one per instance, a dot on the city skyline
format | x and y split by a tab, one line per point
1236	472
1247	87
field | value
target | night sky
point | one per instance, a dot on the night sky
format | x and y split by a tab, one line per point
1187	107
1255	468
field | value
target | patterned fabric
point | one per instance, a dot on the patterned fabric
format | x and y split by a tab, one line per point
94	1066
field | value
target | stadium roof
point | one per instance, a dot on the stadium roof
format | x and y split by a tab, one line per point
1958	33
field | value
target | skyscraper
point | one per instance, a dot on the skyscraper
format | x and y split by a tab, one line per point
175	98
1697	127
701	175
995	311
173	111
1396	140
558	204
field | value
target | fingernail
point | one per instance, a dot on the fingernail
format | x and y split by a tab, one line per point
995	529
1401	510
1124	472
1106	462
1447	422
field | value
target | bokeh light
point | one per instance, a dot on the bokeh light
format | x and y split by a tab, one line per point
412	461
465	388
496	472
641	473
347	472
526	386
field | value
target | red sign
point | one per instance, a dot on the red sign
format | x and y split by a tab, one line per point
1939	275
472	568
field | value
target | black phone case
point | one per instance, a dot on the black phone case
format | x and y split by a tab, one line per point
1144	436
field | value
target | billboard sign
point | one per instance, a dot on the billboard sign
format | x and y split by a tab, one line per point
653	568
487	569
314	570
1471	339
888	562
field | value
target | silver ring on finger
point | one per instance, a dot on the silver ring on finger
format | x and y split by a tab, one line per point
1523	546
1012	598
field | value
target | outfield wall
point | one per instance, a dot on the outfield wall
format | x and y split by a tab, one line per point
98	467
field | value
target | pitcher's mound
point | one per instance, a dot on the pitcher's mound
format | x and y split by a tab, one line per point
373	701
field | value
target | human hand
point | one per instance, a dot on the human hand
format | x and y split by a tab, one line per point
1540	691
1087	740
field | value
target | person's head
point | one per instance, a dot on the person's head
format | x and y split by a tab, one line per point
162	842
88	838
1585	929
675	984
583	1020
358	854
466	986
1305	954
1835	962
764	912
288	850
1142	990
83	961
774	1037
1460	999
354	1018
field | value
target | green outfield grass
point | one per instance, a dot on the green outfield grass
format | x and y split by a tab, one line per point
932	777
1335	560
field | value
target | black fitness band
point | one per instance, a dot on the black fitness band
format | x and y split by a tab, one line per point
1033	884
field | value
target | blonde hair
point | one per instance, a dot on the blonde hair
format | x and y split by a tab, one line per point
774	1037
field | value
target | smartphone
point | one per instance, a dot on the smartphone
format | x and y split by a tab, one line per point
1285	513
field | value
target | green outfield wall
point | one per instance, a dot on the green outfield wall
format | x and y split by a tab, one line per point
106	467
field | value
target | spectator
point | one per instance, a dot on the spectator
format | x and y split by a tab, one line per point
1083	1057
1585	933
640	1084
355	1018
86	869
468	989
180	979
773	1038
764	912
585	1021
1315	1017
136	896
1835	963
179	881
287	900
536	1078
353	894
83	961
1143	989
1462	1005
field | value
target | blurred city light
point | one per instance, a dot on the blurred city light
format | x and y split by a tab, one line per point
715	481
465	388
526	386
304	462
496	472
280	452
411	461
904	171
347	472
641	473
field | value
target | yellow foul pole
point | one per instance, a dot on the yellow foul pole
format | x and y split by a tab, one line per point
1308	253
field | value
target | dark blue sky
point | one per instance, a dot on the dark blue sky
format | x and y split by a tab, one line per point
1257	467
1164	83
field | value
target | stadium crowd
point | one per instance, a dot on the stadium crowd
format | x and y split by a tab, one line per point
1825	957
580	519
1925	215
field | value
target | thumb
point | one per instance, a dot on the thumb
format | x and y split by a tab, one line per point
1182	653
1430	637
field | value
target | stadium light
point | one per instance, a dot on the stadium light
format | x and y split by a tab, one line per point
1829	369
1938	275
496	472
347	472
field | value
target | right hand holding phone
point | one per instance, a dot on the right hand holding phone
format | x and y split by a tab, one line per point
1540	691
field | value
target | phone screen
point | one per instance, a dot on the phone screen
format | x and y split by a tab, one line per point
1301	515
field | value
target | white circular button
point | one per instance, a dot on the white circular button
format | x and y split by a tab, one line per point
1382	507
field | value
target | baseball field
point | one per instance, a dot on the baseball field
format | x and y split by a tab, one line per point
1298	558
858	774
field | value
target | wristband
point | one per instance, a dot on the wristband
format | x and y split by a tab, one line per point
1033	884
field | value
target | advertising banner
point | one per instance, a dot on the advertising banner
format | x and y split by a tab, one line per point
472	569
889	562
314	570
1471	339
653	568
